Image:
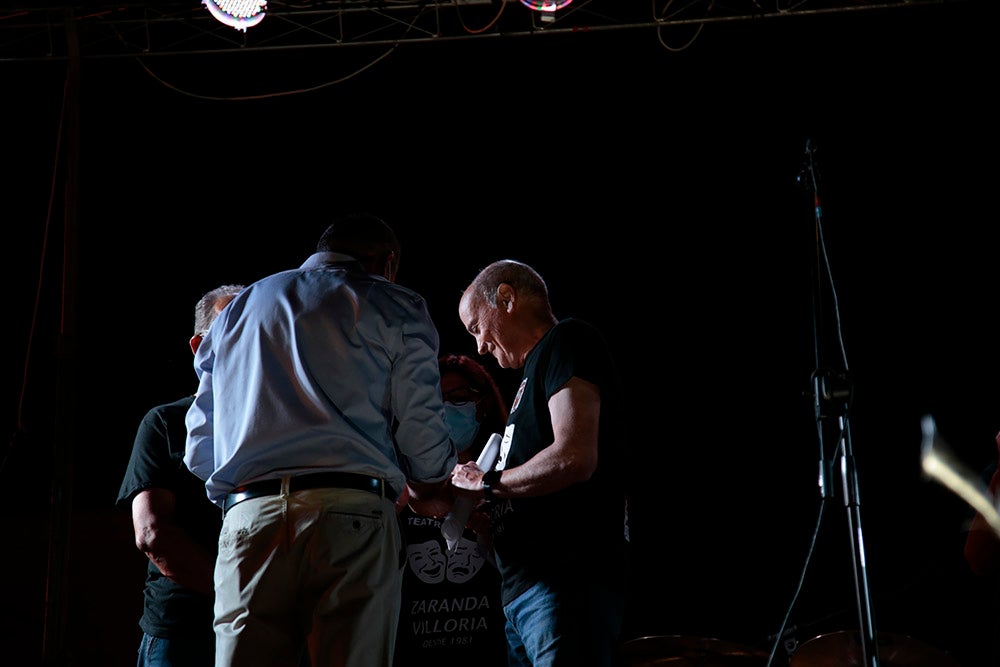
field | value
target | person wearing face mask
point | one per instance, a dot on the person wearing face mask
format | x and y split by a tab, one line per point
451	612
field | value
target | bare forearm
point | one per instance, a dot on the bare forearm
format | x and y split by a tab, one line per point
551	470
547	472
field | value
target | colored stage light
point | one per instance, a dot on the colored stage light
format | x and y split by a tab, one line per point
545	5
239	14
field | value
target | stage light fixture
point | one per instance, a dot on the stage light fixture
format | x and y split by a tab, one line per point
239	14
545	5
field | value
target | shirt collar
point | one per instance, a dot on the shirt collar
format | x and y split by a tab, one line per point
318	259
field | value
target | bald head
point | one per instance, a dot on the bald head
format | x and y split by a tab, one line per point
506	309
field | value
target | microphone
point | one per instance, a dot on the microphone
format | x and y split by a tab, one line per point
806	177
454	524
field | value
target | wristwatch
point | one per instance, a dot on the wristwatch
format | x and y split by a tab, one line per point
490	480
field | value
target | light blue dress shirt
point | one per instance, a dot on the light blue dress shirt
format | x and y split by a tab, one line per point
311	370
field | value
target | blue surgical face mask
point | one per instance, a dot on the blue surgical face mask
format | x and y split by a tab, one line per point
461	421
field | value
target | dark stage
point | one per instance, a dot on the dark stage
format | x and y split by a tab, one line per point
657	191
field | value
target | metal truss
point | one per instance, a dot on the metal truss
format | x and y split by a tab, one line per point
169	27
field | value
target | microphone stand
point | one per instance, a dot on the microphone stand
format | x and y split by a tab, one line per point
832	394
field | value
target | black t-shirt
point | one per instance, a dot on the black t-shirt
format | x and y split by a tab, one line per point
169	609
451	612
579	533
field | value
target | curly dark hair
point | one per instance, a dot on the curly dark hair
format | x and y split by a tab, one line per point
492	409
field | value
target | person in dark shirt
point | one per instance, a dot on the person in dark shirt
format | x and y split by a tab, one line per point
175	525
559	516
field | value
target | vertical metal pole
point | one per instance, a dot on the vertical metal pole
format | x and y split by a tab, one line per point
832	398
852	501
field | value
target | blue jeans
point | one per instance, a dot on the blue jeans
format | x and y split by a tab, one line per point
159	652
575	626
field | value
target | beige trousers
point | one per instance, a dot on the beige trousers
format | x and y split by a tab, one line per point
315	573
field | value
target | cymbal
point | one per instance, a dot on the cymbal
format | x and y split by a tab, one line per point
843	649
682	651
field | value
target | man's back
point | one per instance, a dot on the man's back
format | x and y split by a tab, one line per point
308	368
318	400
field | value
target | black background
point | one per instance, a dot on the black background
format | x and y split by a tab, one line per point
657	192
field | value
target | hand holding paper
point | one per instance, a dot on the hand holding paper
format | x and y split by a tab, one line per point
454	523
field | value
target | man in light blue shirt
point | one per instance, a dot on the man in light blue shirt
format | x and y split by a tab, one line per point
319	399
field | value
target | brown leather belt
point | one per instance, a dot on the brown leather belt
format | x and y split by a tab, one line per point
317	480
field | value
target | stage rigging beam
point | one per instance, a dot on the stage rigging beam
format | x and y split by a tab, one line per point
154	29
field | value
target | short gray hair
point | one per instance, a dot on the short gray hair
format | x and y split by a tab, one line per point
205	310
524	279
